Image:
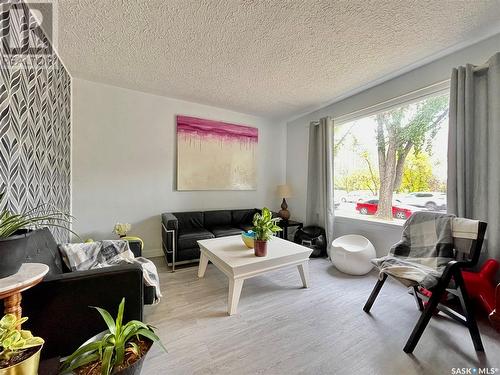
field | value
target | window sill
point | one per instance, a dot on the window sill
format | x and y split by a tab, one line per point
369	220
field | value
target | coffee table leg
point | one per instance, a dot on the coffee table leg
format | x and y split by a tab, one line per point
304	273
203	264
233	297
12	305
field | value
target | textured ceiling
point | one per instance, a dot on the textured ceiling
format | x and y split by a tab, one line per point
269	58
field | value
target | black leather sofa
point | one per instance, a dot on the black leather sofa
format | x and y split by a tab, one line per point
181	230
59	307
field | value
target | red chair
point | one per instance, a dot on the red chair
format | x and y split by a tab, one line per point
495	315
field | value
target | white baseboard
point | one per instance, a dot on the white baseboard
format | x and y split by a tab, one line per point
152	253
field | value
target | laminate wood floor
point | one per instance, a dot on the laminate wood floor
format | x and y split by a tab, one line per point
281	328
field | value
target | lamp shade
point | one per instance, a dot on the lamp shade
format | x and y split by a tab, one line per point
284	191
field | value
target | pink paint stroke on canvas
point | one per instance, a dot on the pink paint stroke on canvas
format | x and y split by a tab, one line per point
197	127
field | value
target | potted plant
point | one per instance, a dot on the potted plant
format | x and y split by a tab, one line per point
121	229
15	230
264	227
120	350
19	349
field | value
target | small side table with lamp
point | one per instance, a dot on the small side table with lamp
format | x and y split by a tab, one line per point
285	191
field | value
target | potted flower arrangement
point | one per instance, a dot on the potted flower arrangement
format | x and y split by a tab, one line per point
121	229
19	349
120	350
16	228
264	227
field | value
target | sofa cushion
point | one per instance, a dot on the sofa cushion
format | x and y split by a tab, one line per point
242	217
225	230
187	238
217	218
189	220
42	248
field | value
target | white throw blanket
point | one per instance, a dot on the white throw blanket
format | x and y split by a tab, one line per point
100	254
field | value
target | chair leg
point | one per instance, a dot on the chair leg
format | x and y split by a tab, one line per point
468	311
418	300
424	318
374	294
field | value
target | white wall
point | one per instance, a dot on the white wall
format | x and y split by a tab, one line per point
124	161
297	130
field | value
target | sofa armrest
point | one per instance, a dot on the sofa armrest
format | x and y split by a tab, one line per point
170	221
136	247
169	233
59	307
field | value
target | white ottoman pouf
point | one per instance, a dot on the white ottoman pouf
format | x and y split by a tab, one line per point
351	254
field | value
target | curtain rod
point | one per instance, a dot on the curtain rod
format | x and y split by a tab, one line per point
480	68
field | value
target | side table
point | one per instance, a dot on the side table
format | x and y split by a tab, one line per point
285	224
11	287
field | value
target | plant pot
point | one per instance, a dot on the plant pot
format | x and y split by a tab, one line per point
13	252
134	369
27	367
260	248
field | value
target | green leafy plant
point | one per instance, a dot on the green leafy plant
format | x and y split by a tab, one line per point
111	348
264	225
41	216
14	340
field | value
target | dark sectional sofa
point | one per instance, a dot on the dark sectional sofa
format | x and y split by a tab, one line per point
181	230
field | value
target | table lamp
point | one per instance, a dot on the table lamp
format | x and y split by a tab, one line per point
284	191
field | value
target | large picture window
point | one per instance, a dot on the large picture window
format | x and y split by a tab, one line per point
392	163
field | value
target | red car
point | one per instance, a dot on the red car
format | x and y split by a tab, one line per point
370	208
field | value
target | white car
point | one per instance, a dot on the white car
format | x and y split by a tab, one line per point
427	199
357	196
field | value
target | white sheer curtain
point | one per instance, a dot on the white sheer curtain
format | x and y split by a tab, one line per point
320	205
474	147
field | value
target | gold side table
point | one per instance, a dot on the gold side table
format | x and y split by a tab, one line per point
12	286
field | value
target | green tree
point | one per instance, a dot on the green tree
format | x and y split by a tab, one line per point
358	180
399	131
417	173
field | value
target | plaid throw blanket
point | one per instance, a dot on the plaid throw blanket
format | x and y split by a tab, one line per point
100	254
425	248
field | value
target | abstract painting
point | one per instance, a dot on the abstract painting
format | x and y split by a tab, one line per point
215	155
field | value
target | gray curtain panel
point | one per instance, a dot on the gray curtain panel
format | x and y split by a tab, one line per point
474	147
320	206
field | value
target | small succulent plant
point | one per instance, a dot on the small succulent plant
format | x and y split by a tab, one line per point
14	340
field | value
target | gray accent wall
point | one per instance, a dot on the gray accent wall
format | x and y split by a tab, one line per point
35	123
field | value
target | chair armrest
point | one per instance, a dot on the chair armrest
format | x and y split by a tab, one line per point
449	269
58	307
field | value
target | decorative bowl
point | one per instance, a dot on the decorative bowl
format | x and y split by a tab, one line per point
248	238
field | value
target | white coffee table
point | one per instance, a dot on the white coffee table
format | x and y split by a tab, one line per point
233	258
